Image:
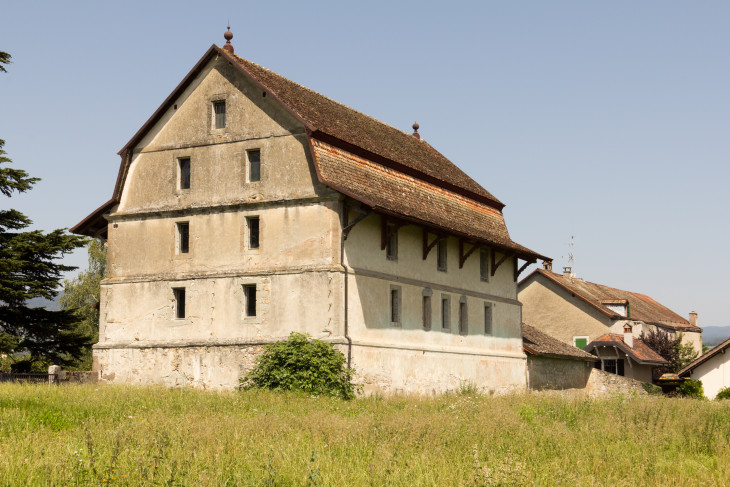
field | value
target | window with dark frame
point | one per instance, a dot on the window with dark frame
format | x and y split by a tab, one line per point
183	237
391	248
441	255
487	319
219	109
426	312
254	165
184	171
394	305
249	297
463	317
445	321
484	264
253	232
179	294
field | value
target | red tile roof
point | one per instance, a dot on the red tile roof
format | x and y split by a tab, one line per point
535	342
640	352
392	171
641	306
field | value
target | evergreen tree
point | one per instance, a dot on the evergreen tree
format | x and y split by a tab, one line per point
28	270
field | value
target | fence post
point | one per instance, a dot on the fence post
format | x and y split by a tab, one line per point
54	374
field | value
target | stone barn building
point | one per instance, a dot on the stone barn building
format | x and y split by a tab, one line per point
248	207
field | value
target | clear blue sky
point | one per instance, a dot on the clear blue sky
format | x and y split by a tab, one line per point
607	121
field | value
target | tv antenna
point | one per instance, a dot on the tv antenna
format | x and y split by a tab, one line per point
571	256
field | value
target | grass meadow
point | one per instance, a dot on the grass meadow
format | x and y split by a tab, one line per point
113	435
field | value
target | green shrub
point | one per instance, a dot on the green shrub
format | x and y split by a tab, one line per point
691	388
723	394
302	364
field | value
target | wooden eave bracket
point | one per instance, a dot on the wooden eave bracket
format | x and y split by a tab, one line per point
463	256
428	246
349	226
386	232
519	270
495	263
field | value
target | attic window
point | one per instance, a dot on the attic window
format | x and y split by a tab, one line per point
219	110
254	165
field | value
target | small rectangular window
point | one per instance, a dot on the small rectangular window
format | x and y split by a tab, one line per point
445	312
395	305
254	165
391	249
179	294
253	232
441	255
487	319
219	109
183	237
484	264
463	318
427	312
184	171
249	300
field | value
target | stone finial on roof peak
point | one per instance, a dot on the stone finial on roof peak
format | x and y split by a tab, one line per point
228	36
415	130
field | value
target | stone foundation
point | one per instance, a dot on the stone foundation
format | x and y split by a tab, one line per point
213	367
394	370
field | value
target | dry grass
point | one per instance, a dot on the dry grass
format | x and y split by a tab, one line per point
103	435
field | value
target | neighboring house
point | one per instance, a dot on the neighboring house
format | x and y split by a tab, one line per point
625	355
712	368
248	207
577	312
552	364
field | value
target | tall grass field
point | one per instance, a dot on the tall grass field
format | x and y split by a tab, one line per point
108	435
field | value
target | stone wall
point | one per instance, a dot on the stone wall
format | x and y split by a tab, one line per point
211	367
546	373
601	383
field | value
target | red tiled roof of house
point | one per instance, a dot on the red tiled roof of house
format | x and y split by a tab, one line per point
535	342
392	171
640	352
641	306
721	348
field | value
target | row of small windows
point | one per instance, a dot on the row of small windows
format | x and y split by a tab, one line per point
249	301
445	309
391	253
253	174
253	235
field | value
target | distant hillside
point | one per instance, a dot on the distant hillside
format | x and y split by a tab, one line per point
44	303
714	335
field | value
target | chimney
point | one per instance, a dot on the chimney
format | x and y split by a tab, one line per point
628	335
547	265
693	318
567	272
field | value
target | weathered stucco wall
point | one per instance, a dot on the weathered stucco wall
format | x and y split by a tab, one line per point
554	311
452	356
218	368
548	373
714	374
395	370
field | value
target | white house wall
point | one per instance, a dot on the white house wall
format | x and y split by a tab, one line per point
714	374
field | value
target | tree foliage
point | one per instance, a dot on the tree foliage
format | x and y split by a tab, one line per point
302	364
28	269
691	388
670	348
81	295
